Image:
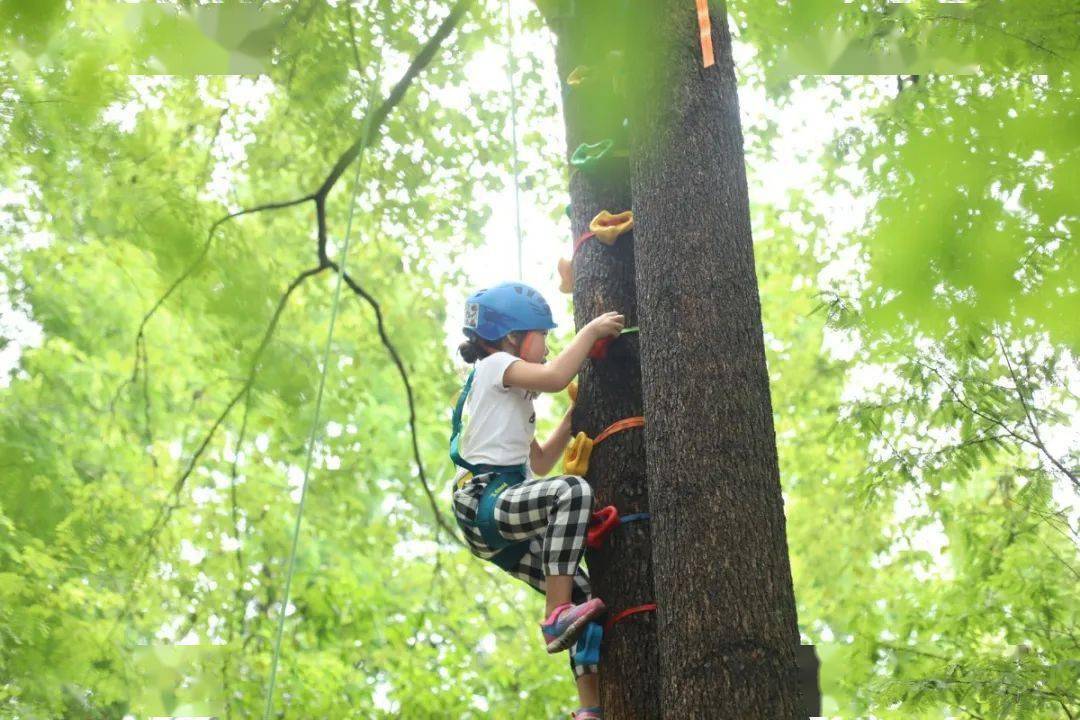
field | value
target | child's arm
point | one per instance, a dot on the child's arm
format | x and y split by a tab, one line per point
557	374
543	458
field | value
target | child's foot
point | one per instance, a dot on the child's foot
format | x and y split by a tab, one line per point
589	713
567	621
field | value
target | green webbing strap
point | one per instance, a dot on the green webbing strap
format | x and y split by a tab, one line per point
455	438
455	428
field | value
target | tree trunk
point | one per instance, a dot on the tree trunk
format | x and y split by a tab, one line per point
609	389
727	628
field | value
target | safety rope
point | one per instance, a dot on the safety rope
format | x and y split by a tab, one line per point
315	421
513	131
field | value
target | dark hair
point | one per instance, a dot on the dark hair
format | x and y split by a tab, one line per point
471	350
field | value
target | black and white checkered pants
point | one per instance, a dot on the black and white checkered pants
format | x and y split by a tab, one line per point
553	515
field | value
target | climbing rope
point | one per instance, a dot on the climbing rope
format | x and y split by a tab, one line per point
513	131
315	421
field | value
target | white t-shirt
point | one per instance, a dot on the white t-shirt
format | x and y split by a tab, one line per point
500	421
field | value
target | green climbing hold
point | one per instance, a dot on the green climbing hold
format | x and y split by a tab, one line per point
567	210
588	157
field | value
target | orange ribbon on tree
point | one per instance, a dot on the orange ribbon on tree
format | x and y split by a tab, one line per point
705	30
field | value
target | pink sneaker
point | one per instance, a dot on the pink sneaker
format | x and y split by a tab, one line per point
567	621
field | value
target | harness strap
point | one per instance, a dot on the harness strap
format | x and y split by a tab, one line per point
504	476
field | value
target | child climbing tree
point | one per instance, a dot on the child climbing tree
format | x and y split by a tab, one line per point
654	129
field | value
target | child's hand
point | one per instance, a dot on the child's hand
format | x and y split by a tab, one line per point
610	324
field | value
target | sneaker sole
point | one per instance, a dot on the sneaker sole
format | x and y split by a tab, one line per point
571	635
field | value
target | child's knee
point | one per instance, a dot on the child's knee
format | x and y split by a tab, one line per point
578	487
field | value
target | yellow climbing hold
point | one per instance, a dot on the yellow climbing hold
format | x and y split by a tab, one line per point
571	390
609	227
578	75
576	456
566	276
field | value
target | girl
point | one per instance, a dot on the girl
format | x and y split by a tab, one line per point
532	527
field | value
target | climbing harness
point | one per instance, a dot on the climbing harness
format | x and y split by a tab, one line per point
576	455
502	478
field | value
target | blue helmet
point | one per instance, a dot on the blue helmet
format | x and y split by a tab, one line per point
496	311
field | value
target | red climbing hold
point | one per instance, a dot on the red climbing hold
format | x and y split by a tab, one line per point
603	522
600	348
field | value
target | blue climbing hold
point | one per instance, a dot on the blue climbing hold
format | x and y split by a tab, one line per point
587	650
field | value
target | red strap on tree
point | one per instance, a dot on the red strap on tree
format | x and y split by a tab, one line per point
581	241
649	607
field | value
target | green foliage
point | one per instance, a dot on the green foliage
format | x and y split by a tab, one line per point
148	491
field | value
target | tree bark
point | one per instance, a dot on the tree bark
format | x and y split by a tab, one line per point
610	389
727	627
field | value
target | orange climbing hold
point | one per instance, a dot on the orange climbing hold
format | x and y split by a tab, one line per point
609	227
566	276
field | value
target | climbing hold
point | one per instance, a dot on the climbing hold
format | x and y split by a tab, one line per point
578	75
609	227
587	650
600	348
649	607
566	276
571	390
588	156
601	524
604	520
568	210
576	456
577	453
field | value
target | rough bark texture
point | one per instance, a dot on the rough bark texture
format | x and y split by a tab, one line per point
609	389
727	628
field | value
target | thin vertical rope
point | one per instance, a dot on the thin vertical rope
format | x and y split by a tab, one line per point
513	131
314	432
